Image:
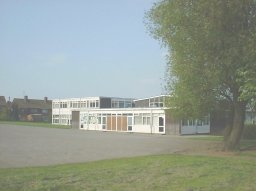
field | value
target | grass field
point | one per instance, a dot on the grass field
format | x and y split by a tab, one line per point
244	143
35	124
164	172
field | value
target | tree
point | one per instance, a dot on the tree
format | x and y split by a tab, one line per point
211	56
4	114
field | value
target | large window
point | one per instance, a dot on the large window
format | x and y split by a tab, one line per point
127	104
121	103
114	104
156	102
142	119
75	104
83	104
63	105
146	120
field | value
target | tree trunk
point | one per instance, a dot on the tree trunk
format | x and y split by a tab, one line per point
235	129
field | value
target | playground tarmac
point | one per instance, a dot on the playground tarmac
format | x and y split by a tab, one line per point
22	146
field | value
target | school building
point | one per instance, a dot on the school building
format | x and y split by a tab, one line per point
148	115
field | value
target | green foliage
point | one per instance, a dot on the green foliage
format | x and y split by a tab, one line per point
4	114
211	46
165	172
249	131
211	57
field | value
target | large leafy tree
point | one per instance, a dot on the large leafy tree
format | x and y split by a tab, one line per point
212	56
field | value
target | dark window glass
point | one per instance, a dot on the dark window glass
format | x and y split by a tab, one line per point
161	121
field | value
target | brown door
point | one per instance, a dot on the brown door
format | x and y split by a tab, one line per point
119	123
109	123
124	123
75	119
113	123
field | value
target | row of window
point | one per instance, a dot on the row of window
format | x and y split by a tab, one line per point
61	119
156	102
99	118
197	122
34	111
76	104
121	104
141	119
138	119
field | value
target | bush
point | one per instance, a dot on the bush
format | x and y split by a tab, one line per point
249	131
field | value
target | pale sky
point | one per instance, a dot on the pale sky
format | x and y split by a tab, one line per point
78	48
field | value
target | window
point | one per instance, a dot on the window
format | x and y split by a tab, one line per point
138	120
63	105
104	122
129	123
114	104
146	120
92	104
75	105
83	104
121	104
99	120
161	124
97	103
44	111
161	121
207	120
199	122
55	120
184	122
127	104
190	122
33	110
56	105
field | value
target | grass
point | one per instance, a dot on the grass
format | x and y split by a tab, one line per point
164	172
35	124
244	143
206	137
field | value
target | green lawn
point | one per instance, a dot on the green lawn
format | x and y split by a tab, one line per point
244	143
35	124
206	137
163	172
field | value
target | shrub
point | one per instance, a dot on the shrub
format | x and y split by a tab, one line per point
249	131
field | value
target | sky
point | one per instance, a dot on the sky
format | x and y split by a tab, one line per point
78	48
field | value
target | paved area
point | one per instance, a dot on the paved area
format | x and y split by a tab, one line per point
22	146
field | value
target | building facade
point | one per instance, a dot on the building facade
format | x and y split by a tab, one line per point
147	115
62	108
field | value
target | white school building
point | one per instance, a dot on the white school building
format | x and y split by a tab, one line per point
148	115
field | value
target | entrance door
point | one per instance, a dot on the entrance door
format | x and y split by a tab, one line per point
161	124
